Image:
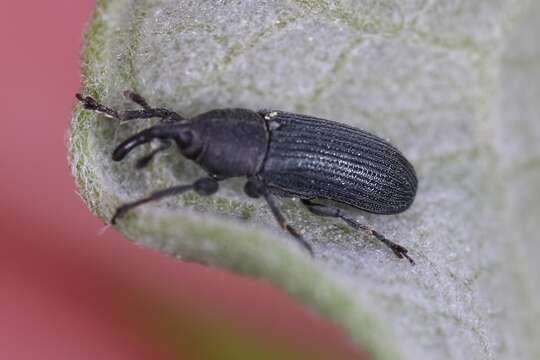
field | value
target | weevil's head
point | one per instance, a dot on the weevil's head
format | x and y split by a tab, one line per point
182	133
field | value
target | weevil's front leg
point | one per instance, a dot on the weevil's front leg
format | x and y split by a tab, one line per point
203	187
148	112
328	211
255	188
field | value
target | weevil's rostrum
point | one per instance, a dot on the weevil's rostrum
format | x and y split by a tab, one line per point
316	158
279	154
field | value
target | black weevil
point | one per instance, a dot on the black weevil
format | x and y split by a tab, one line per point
281	154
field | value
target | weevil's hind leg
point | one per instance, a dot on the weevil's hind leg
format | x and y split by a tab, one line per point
90	103
203	187
328	211
255	188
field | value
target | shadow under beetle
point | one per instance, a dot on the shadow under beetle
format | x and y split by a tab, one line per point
281	154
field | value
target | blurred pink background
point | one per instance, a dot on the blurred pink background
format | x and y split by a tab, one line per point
69	291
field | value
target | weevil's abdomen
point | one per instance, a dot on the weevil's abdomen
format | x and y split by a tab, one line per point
315	158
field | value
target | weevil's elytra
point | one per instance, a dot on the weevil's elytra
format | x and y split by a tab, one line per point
315	158
279	154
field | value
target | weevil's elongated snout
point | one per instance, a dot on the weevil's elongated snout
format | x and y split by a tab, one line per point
175	132
131	143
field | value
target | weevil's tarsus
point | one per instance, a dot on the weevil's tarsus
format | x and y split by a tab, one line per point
145	160
90	103
203	187
329	211
255	188
166	115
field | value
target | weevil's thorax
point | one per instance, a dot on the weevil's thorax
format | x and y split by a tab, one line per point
233	142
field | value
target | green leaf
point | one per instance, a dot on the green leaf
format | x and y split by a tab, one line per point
438	78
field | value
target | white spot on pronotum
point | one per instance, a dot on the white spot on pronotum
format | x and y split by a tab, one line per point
273	125
271	115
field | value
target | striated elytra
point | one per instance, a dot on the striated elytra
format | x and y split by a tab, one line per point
281	154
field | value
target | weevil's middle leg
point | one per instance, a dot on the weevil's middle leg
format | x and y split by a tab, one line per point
148	112
255	188
328	211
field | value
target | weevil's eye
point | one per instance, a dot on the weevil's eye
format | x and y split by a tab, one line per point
189	143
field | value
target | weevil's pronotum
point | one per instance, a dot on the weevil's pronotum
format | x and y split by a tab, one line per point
279	154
